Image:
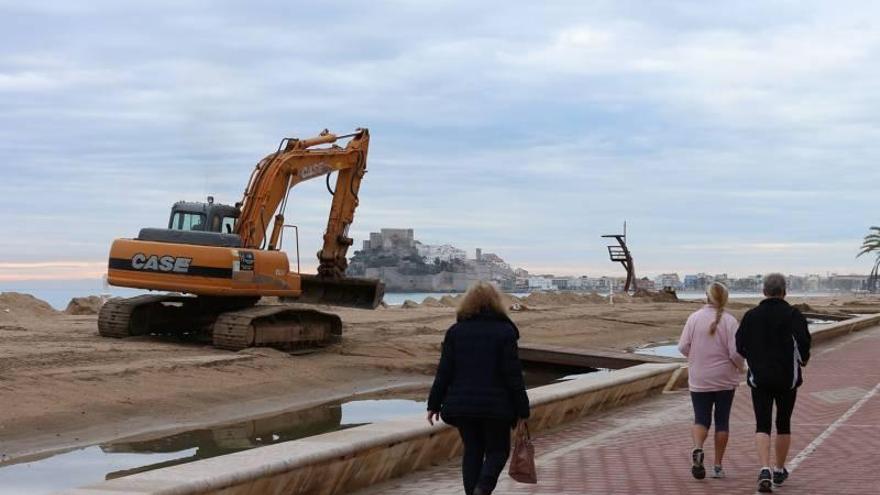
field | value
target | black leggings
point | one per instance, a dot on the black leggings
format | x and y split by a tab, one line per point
762	401
486	448
703	403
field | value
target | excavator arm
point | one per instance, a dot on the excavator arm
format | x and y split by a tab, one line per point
299	160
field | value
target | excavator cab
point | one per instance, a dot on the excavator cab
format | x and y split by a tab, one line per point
206	217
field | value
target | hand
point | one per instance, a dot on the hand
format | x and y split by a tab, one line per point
433	416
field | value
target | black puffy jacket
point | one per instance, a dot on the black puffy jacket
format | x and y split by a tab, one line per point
480	375
775	340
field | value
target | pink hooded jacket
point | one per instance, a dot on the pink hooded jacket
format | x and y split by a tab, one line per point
713	363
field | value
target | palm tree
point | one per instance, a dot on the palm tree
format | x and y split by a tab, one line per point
872	244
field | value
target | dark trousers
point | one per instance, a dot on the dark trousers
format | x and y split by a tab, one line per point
486	448
705	402
762	402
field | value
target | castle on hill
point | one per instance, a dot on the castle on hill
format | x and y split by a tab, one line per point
408	265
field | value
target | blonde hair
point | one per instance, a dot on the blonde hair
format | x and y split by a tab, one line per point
717	296
480	297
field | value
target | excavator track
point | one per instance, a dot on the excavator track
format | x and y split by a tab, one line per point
232	324
279	326
115	317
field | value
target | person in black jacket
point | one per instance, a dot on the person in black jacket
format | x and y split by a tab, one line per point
775	341
479	386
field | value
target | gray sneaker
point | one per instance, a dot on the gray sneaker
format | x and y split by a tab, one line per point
717	472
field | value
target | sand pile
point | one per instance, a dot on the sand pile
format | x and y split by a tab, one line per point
431	302
17	304
449	301
652	296
409	304
84	305
561	298
804	308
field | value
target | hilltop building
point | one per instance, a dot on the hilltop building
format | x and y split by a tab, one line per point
407	265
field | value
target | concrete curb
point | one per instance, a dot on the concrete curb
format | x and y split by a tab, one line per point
840	328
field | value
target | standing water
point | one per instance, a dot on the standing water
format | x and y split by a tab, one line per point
671	350
121	458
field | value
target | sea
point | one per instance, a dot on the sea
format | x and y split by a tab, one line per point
59	292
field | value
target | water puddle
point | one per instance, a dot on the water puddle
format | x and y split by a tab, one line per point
662	350
540	375
671	350
814	322
122	458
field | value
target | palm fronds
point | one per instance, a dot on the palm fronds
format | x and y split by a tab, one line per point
871	242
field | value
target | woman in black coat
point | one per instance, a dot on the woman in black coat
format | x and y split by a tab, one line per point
479	386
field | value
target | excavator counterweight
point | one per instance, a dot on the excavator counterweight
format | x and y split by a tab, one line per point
225	260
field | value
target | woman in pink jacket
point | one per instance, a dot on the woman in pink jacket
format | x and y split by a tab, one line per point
714	369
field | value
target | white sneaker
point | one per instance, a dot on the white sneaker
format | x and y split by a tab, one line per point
717	472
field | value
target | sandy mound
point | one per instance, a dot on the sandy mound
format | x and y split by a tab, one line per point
448	301
651	296
409	304
264	352
804	307
737	305
17	304
562	298
84	305
431	302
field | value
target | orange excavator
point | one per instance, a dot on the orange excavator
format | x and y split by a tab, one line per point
219	260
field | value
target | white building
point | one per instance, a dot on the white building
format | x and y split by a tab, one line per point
540	283
444	252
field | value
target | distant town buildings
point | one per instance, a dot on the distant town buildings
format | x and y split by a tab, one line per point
754	283
408	265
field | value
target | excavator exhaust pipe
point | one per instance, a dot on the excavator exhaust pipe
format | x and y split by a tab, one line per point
361	293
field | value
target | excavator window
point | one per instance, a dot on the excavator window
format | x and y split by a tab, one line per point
188	221
228	225
224	225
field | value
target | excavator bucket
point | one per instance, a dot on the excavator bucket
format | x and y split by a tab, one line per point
362	293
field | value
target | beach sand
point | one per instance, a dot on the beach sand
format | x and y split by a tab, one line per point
62	385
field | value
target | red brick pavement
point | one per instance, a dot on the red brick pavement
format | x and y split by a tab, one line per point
645	448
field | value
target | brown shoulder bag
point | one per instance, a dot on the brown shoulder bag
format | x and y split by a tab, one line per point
522	461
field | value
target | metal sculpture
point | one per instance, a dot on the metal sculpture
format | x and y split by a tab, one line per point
874	279
620	253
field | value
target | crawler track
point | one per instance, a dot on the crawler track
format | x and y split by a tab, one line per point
283	326
232	324
115	317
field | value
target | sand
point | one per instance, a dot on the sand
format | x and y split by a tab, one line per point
84	305
62	385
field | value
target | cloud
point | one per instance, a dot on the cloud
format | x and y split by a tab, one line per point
51	270
536	129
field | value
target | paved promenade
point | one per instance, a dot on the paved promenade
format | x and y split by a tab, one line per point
645	448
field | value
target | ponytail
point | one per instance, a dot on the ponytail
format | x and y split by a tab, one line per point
717	296
719	311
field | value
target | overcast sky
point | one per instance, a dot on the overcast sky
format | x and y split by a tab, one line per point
732	136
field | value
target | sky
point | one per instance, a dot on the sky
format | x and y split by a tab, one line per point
736	137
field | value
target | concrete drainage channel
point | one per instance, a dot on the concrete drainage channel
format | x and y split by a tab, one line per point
344	461
45	473
117	459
